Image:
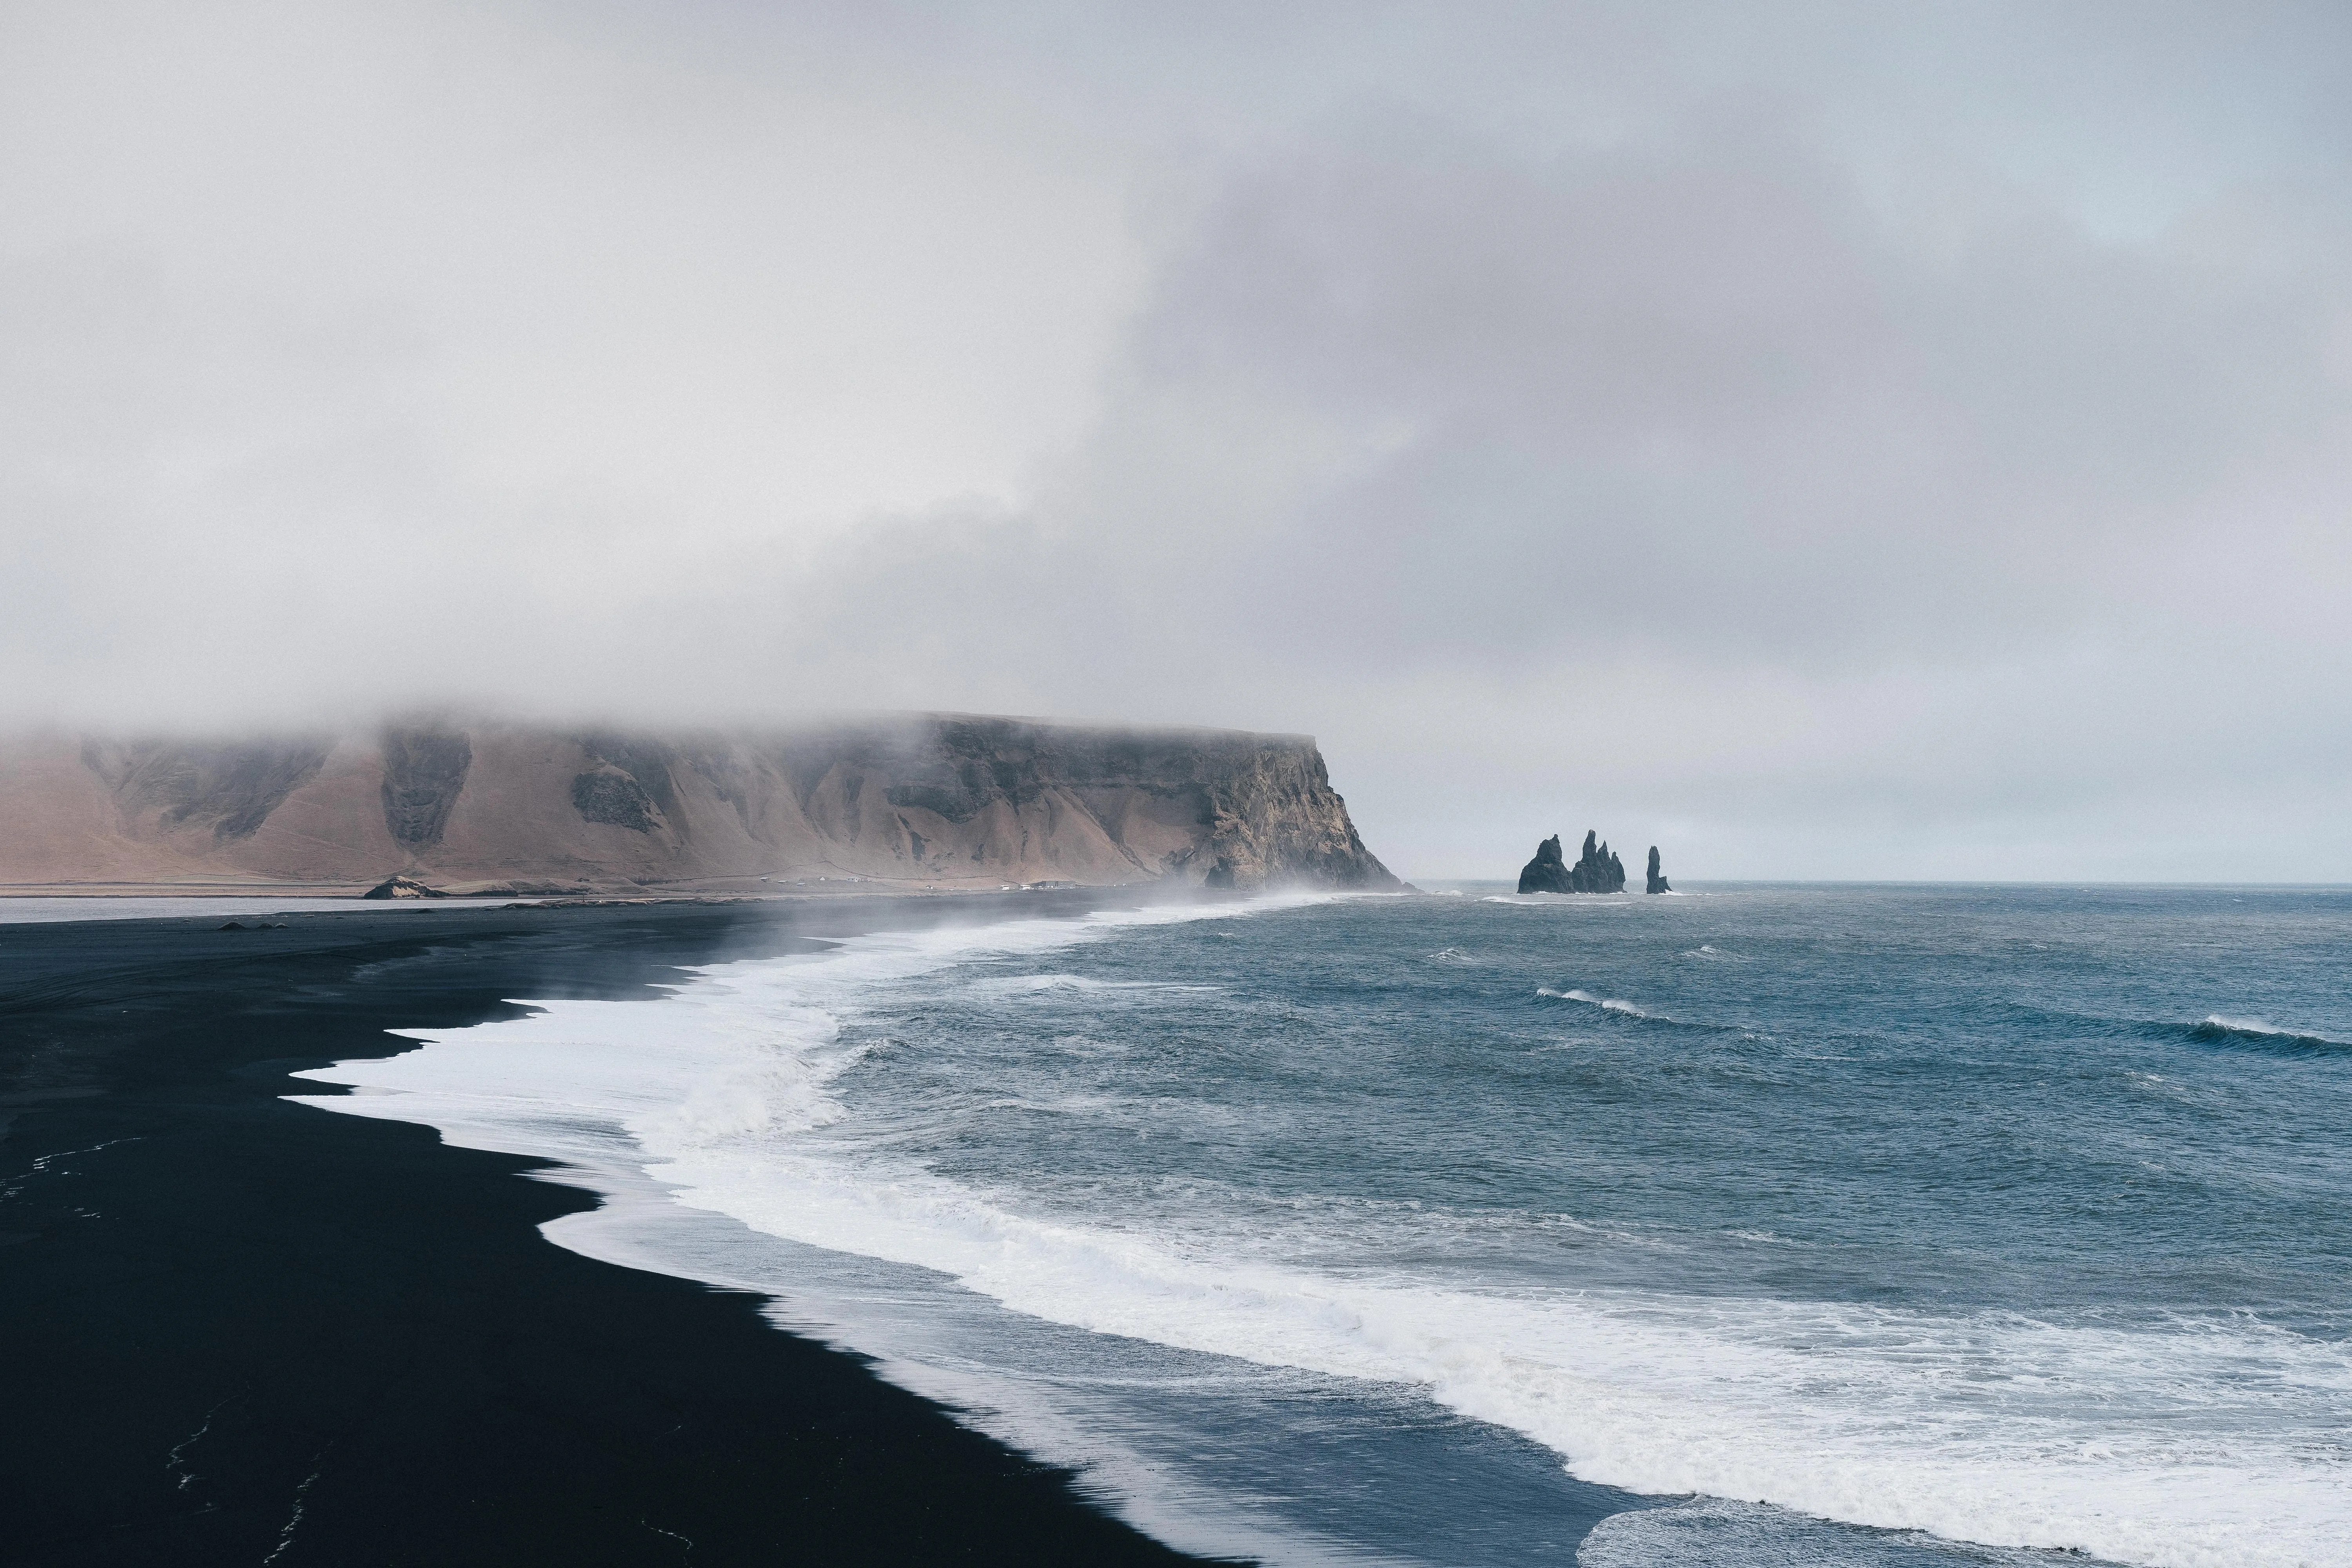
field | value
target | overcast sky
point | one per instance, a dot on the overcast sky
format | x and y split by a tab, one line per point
1888	440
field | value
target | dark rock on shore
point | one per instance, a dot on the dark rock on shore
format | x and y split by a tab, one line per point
403	888
1657	876
1598	870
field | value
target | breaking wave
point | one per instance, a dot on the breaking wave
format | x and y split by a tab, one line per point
2262	1035
1606	1003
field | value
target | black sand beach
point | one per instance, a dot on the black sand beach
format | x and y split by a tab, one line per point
241	1331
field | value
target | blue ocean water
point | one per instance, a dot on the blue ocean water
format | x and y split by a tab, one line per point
1764	1224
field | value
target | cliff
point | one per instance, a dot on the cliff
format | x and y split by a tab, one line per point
918	800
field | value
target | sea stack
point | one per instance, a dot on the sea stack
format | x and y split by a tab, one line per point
1548	872
1598	870
1657	876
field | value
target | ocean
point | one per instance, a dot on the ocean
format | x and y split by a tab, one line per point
1758	1225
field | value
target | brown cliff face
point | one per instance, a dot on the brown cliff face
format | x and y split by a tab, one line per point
932	800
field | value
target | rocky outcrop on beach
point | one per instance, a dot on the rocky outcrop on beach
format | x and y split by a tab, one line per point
403	888
1657	876
934	800
1598	870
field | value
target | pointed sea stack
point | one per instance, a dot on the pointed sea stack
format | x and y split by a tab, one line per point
1598	871
1548	872
1657	876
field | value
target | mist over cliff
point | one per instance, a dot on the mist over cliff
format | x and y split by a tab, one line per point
931	800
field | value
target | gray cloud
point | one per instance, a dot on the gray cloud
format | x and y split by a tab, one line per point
1714	395
1850	446
1689	486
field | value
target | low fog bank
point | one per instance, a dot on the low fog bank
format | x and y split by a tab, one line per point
1839	449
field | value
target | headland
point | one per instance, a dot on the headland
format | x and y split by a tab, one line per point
484	807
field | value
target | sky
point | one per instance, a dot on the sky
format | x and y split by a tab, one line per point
1824	440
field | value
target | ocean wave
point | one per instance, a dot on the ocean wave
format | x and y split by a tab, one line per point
1983	1427
2261	1034
1717	1533
1987	1428
2255	1034
737	1048
1606	1003
1990	1430
1633	1012
1037	985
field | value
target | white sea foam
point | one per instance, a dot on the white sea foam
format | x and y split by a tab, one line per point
1716	1532
2158	1445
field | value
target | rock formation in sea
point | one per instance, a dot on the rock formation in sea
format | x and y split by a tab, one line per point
1548	872
1657	876
1598	870
928	800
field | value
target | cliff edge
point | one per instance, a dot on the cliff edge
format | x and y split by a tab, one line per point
936	800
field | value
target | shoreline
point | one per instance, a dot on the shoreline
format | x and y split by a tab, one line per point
247	1331
732	890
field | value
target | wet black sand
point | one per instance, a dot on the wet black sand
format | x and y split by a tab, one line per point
234	1329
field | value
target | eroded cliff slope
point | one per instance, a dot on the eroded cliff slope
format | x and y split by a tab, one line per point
931	800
